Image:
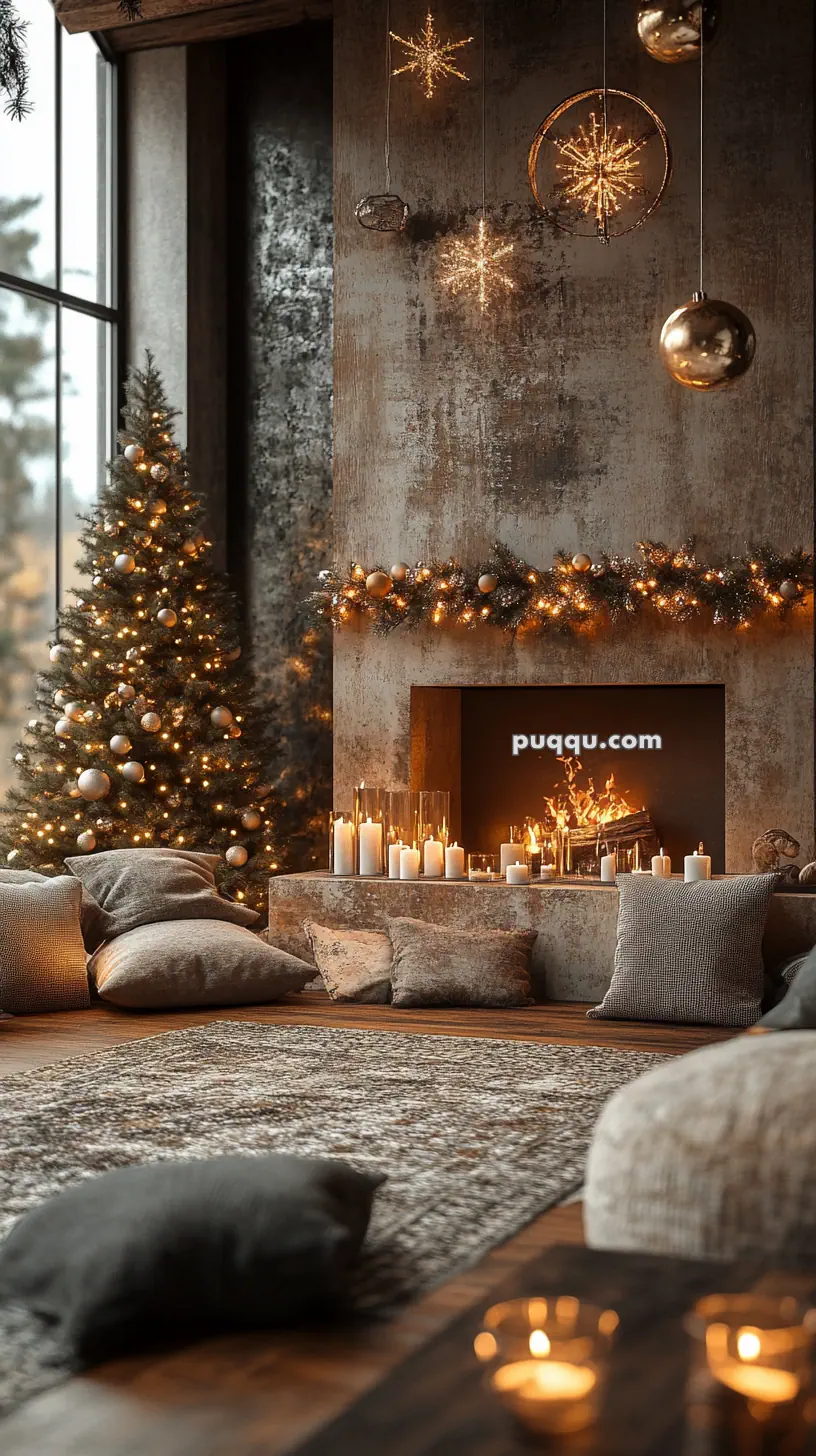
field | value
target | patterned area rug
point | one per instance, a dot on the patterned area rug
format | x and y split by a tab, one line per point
476	1136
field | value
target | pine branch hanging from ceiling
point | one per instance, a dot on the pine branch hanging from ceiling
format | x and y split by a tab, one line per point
13	61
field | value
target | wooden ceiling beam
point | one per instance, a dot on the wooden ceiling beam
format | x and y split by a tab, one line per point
179	22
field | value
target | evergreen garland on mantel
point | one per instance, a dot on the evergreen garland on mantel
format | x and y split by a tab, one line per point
14	73
575	595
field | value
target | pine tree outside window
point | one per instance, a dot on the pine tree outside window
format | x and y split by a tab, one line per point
59	321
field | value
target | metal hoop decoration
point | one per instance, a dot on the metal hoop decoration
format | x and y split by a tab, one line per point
554	116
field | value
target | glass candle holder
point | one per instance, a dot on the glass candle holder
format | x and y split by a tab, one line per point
401	826
546	1360
512	850
342	859
434	831
483	867
369	830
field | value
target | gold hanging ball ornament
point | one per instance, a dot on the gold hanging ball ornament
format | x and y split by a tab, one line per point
157	507
126	691
382	213
487	583
121	744
707	344
125	563
86	841
133	771
399	571
378	584
221	717
581	562
134	454
93	784
151	722
166	617
236	856
600	163
234	730
251	819
789	590
159	472
671	33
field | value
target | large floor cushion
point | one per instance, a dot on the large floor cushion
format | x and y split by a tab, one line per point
712	1155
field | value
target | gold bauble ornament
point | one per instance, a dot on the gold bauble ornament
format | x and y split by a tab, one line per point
126	691
707	343
189	546
233	655
581	562
251	819
158	471
121	744
86	841
93	784
236	856
133	771
487	583
234	730
399	572
125	563
221	717
378	584
671	32
151	722
166	617
789	590
157	507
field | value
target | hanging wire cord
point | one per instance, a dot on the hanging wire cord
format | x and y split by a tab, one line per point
484	108
702	94
388	96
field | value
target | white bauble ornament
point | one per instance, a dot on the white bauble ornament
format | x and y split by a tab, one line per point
86	841
789	591
75	711
63	727
158	471
151	722
399	572
487	583
221	717
121	744
251	819
19	758
124	563
61	698
581	562
93	784
97	580
59	653
167	617
12	855
134	454
133	654
126	691
157	507
236	856
133	771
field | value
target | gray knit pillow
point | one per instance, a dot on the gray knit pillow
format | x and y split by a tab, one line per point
689	953
143	886
42	955
436	966
797	1009
92	917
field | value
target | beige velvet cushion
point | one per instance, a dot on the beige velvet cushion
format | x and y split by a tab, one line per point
42	954
93	919
143	886
436	966
355	964
194	963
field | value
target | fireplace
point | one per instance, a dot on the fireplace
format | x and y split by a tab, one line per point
645	761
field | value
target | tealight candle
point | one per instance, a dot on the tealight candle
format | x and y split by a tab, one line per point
661	866
757	1346
609	868
547	872
394	855
518	874
697	866
409	864
454	862
549	1396
370	848
433	859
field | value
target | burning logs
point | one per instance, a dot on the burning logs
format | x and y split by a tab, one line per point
618	834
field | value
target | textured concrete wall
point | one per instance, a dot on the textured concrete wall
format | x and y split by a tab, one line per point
280	110
553	424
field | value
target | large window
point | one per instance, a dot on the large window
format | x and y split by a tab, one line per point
58	324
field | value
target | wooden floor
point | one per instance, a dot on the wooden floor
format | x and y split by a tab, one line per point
266	1394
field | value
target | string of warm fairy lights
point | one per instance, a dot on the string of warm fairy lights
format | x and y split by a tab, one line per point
575	595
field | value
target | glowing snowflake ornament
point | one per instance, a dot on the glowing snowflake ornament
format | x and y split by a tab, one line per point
474	266
430	56
600	169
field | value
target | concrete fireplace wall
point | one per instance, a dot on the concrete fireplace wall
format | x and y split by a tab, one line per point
553	424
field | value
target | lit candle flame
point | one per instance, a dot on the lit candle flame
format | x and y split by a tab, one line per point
539	1343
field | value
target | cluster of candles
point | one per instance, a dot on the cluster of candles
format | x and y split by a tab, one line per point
547	1359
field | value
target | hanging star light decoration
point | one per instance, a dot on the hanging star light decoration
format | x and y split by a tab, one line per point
600	170
430	56
475	266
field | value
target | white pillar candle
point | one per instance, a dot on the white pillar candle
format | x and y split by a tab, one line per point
661	866
609	868
409	864
370	839
343	857
455	863
510	853
433	859
518	874
394	853
697	866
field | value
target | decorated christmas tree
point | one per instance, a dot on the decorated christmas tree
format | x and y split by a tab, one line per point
143	734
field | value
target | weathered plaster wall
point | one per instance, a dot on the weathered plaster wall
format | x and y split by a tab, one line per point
553	424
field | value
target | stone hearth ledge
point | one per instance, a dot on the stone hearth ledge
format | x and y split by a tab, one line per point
575	924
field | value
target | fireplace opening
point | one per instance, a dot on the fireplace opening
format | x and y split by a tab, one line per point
633	768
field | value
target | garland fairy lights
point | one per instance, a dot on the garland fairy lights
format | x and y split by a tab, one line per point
575	595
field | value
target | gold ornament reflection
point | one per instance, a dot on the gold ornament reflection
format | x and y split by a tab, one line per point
707	343
671	33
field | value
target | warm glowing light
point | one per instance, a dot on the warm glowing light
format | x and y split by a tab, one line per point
599	169
430	56
539	1343
749	1345
474	266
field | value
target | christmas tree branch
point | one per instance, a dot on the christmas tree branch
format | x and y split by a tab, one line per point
13	61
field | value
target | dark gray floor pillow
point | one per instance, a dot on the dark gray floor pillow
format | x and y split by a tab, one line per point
797	1009
156	1253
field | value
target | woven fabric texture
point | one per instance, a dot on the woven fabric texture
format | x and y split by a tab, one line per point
42	953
